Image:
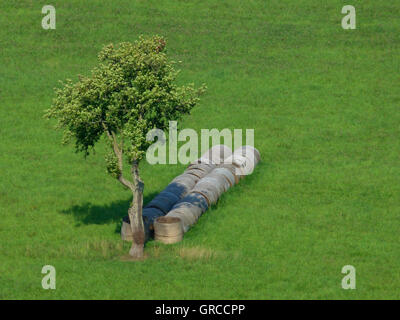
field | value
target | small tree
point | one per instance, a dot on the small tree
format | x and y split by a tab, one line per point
130	92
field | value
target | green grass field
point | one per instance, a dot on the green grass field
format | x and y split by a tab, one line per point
324	104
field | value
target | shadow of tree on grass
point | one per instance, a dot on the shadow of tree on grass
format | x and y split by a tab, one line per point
89	213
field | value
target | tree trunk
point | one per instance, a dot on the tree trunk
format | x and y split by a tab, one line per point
135	214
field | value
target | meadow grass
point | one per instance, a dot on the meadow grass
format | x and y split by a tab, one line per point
324	104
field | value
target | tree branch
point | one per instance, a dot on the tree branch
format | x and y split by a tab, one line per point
118	153
138	183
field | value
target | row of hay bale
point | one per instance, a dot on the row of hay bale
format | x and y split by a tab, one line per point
190	194
207	190
177	190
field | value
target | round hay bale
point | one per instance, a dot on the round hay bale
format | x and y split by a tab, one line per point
245	150
248	153
252	156
195	210
217	181
196	172
243	165
151	214
180	187
184	223
207	167
246	163
126	231
204	161
169	240
232	170
203	166
167	226
177	189
164	201
224	151
148	228
197	200
186	179
209	198
200	170
226	173
148	216
208	190
223	181
168	229
185	215
215	155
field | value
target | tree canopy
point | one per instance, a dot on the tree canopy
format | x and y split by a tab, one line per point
130	92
